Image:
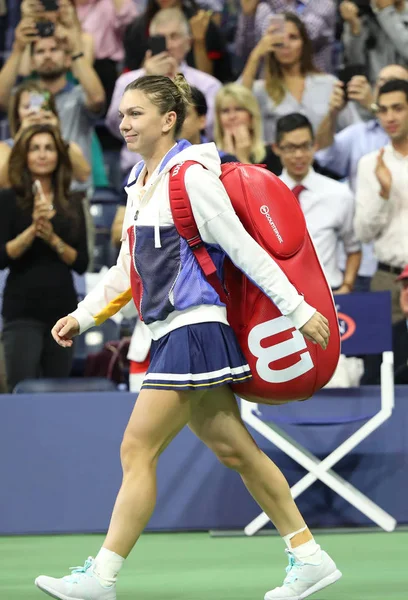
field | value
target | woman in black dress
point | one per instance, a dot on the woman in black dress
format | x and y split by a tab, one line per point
42	239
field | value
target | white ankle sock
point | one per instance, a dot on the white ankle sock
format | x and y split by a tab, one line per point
107	566
309	552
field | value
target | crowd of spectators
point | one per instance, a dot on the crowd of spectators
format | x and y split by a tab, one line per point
315	90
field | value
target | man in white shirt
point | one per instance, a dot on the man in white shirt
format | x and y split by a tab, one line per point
328	205
382	193
173	25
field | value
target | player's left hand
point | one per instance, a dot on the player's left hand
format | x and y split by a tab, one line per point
317	330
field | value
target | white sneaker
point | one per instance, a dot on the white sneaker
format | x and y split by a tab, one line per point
303	580
80	585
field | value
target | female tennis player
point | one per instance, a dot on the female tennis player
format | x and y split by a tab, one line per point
194	353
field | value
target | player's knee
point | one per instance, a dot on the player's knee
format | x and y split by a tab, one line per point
230	456
135	451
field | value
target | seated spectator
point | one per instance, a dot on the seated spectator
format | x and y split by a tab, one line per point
328	205
106	21
372	364
376	37
238	124
291	82
207	51
319	19
79	106
238	128
31	105
381	195
195	124
42	239
173	25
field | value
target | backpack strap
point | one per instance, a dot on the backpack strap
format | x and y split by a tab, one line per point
186	226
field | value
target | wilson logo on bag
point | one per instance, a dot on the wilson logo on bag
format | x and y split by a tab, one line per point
285	366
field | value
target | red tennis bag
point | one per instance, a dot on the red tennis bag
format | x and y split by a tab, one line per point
285	366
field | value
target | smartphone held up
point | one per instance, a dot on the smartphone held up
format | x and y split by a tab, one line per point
157	44
277	27
50	5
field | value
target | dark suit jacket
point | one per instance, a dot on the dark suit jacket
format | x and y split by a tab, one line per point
400	346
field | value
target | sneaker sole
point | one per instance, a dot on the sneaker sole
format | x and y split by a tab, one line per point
54	594
323	583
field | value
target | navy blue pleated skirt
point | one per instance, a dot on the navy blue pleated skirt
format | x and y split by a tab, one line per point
193	357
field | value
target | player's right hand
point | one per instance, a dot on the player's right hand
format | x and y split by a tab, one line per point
317	330
64	330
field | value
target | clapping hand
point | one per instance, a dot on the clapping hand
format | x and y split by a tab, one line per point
243	142
383	175
42	208
238	141
44	229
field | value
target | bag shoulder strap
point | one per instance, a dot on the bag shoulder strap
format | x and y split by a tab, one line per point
186	226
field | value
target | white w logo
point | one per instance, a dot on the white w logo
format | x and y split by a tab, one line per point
278	351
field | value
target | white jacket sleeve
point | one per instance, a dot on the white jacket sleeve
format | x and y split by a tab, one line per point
109	296
218	224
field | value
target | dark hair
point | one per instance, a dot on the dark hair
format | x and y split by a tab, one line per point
273	78
198	101
290	123
189	8
21	179
27	86
50	37
166	94
394	85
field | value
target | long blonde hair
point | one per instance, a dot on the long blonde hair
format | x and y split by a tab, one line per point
245	99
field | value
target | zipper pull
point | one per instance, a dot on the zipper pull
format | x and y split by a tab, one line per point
136	215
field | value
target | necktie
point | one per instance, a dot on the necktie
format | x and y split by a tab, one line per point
297	190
